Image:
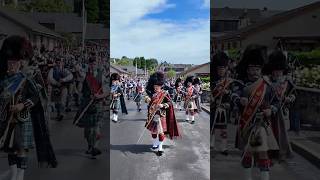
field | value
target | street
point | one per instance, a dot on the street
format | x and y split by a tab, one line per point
229	167
185	158
70	147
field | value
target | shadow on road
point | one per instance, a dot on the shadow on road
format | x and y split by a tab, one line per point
71	152
134	148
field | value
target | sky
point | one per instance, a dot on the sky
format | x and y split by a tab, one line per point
176	31
270	4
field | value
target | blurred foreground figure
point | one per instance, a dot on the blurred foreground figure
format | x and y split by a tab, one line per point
22	121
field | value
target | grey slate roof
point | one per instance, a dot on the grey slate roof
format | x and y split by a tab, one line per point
26	22
97	32
118	69
132	69
64	22
254	15
71	23
272	20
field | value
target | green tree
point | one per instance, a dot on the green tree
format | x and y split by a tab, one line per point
92	8
135	61
142	62
45	6
124	61
104	12
171	73
152	63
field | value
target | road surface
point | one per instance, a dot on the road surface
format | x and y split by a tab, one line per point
184	159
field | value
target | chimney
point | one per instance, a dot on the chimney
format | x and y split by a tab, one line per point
265	9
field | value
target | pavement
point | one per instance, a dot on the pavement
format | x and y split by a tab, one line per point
187	158
296	168
70	146
307	144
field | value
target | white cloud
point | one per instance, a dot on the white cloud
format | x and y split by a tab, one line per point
133	35
206	4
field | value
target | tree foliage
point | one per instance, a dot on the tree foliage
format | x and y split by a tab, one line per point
124	61
92	8
45	6
104	12
143	63
171	73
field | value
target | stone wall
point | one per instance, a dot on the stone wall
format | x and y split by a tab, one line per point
307	107
205	96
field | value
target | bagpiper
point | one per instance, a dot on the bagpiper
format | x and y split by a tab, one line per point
255	137
190	96
23	124
93	105
178	93
138	95
284	90
161	120
198	89
117	97
59	79
222	90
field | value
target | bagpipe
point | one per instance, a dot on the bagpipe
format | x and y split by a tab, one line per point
82	111
153	109
115	93
9	97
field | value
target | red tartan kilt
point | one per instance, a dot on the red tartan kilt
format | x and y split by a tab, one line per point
153	126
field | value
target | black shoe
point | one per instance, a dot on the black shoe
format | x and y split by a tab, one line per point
139	109
192	122
95	152
225	152
154	148
160	153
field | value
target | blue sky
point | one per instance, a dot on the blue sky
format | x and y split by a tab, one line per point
182	10
177	31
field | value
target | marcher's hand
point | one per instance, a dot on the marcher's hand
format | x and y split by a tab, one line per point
17	108
160	106
115	95
267	112
244	101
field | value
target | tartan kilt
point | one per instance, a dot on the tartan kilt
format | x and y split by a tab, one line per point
56	94
138	97
23	135
190	105
153	127
93	119
115	105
